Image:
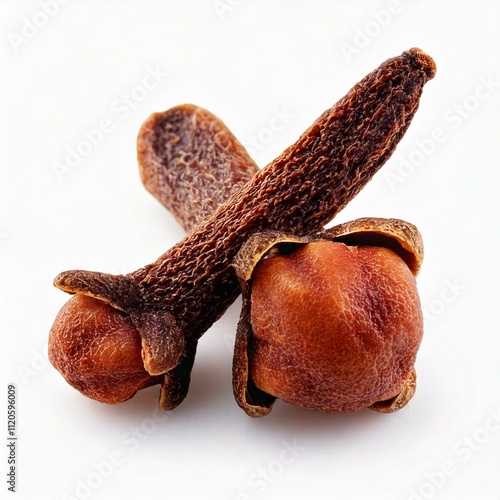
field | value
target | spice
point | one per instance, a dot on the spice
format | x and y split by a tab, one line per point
330	322
95	346
191	162
173	301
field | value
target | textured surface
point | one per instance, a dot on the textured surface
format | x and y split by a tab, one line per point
298	192
92	343
95	348
191	162
263	55
335	328
400	236
307	312
192	284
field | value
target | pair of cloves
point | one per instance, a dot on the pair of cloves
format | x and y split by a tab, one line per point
169	304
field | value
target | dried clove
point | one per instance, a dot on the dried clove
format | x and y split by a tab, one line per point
95	346
331	321
191	162
173	301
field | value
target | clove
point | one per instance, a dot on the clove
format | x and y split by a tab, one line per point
173	301
95	346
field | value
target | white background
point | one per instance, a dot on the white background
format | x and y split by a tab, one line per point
66	67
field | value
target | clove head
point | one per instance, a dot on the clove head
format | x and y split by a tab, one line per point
333	325
98	351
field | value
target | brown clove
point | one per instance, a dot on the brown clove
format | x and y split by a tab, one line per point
332	321
95	346
173	301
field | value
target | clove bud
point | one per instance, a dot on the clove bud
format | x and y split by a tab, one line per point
331	322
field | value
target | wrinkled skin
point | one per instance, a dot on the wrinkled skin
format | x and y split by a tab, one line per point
98	351
336	328
176	299
203	165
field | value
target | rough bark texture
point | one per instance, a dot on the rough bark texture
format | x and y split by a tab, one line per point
95	347
191	162
299	192
178	297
